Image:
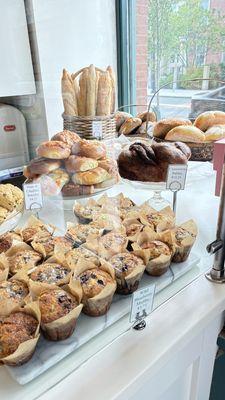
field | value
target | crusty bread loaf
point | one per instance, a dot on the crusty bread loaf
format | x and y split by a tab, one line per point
209	118
91	79
130	126
144	115
68	94
163	126
185	134
80	164
89	148
214	133
82	99
104	94
91	177
113	85
53	149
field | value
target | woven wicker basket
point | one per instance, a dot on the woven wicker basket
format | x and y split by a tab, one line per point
98	127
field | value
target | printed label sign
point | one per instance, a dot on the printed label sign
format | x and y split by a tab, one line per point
176	177
97	129
32	196
142	303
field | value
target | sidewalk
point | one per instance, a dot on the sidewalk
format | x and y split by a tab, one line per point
185	93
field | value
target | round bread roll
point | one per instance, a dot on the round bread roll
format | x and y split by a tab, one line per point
185	134
209	118
214	133
53	149
67	137
130	126
89	148
121	117
91	177
80	164
162	127
109	165
41	166
144	115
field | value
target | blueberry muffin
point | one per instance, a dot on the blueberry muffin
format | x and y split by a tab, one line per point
16	329
128	271
184	237
158	221
51	274
13	292
54	305
23	259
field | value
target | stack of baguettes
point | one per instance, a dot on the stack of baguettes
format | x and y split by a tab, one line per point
88	92
72	165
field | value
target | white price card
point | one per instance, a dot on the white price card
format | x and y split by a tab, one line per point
97	129
176	177
32	196
142	303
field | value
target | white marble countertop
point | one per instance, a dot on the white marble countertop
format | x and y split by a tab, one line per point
198	202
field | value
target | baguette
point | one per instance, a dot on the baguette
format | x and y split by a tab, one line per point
113	92
76	95
97	74
68	95
91	80
104	94
82	93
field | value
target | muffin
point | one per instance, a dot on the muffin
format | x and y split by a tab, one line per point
74	255
59	312
12	294
6	241
22	257
156	251
107	221
128	271
19	334
183	237
49	274
158	221
84	212
112	243
45	243
98	286
79	232
133	228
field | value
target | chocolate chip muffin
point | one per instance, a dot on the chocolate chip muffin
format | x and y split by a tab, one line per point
51	273
125	265
14	330
23	259
55	304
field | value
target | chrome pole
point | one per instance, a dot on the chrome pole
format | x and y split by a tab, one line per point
217	273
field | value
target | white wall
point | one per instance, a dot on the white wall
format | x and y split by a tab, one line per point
71	34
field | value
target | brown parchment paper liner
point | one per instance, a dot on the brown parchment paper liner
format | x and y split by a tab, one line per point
167	217
63	327
159	265
182	250
128	284
4	267
9	305
139	227
97	245
33	222
106	221
79	208
15	249
72	232
26	349
99	304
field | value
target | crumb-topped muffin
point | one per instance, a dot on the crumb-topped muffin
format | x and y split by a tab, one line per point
45	243
158	221
55	303
23	259
85	212
51	273
156	248
28	234
184	237
13	290
157	256
79	232
93	282
74	255
14	330
125	265
112	243
6	240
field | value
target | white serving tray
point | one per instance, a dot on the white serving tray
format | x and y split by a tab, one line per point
49	353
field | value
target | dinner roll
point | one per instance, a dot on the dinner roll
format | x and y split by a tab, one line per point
91	177
147	115
209	118
89	148
162	127
185	134
130	126
216	132
67	137
53	149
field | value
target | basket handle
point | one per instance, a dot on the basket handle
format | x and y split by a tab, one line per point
171	83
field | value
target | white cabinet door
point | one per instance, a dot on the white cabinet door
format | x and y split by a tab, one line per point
16	76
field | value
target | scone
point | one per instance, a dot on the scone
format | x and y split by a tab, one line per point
16	329
59	312
128	271
98	286
184	237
